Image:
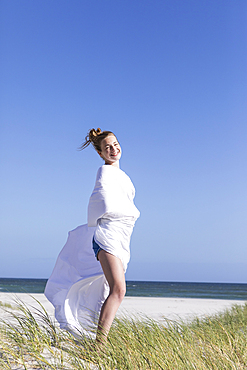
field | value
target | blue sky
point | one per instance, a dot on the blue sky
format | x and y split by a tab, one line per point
169	78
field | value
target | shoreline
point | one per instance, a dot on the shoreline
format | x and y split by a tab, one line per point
157	308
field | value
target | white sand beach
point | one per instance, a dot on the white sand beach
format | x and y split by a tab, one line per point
161	309
155	308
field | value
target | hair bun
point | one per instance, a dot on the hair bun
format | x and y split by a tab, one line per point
95	137
94	133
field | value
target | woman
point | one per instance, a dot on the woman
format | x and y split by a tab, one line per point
80	290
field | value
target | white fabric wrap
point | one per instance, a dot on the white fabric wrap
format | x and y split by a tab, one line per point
112	211
77	286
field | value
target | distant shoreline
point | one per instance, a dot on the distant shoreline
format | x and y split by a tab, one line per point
226	291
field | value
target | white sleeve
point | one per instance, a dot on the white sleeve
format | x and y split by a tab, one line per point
100	200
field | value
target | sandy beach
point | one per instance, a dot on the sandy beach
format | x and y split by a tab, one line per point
155	308
160	309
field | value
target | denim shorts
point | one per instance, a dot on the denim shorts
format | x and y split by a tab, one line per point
96	249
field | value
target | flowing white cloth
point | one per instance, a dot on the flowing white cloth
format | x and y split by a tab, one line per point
77	287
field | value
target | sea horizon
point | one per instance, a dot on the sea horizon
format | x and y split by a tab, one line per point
139	288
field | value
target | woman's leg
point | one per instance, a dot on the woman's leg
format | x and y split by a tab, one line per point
114	273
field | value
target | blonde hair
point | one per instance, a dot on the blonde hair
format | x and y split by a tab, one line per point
95	138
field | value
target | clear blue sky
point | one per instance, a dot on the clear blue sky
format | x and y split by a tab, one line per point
170	79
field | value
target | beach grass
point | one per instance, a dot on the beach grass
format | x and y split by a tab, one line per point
31	340
6	305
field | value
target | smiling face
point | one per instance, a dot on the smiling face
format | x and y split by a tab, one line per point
110	150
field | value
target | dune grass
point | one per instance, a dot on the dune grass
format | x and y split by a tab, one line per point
6	305
31	340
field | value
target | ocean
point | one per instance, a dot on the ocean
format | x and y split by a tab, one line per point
145	289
